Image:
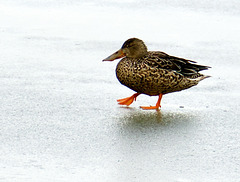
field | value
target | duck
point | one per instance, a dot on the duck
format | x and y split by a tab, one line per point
153	73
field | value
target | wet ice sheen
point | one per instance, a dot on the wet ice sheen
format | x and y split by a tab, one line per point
59	117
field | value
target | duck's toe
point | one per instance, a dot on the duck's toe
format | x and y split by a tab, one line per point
129	100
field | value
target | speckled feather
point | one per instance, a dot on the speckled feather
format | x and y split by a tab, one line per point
157	72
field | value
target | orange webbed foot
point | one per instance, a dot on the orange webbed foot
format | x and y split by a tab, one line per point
149	107
153	107
129	100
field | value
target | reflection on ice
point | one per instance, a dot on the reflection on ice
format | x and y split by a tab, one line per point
138	119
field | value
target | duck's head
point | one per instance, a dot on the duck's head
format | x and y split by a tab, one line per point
132	48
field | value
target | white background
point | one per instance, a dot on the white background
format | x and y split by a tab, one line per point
58	112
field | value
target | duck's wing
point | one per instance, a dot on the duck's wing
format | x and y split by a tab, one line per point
180	65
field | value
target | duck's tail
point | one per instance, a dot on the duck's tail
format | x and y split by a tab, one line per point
201	77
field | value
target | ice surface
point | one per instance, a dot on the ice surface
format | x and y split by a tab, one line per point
59	117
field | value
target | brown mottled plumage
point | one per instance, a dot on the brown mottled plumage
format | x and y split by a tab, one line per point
153	72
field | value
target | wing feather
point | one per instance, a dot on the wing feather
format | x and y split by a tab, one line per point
180	65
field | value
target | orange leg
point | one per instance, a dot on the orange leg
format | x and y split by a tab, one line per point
154	107
129	100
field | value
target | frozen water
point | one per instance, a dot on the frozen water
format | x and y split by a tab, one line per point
59	117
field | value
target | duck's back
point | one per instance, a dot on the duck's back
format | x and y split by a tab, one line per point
157	72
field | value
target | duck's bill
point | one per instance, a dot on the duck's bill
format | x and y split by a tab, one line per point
116	55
